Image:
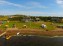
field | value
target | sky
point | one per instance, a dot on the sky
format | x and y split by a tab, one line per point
32	7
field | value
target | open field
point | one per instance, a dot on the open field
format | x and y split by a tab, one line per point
18	21
33	27
30	25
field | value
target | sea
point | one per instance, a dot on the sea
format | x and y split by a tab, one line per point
32	41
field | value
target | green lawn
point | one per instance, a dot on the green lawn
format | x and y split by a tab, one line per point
31	25
59	23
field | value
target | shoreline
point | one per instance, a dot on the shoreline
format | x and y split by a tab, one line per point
38	36
34	32
40	33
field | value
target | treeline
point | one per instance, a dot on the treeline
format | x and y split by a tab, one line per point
33	18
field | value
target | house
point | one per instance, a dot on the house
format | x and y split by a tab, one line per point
26	19
56	19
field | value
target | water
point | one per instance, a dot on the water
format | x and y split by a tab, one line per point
33	41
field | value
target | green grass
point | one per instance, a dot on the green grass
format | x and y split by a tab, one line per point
31	25
59	23
49	26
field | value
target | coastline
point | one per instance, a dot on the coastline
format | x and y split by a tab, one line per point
34	32
38	36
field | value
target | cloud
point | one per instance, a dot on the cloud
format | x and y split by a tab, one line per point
31	5
24	12
2	2
59	2
38	13
36	5
31	13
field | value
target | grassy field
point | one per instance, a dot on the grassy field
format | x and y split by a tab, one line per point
30	25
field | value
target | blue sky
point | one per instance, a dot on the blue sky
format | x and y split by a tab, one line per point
32	7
